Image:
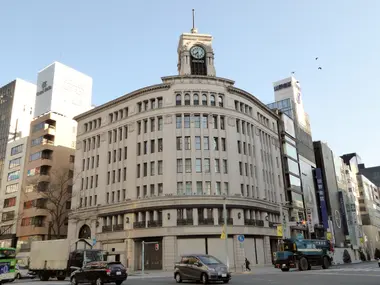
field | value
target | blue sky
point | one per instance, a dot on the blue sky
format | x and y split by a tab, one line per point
125	45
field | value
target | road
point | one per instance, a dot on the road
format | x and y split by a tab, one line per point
363	274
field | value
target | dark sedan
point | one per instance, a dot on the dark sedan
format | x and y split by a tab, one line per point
100	273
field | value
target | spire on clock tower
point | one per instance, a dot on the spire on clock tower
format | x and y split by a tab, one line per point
195	53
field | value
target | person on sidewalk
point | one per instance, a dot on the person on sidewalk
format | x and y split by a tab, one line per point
247	263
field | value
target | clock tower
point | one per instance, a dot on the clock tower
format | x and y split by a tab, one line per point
195	54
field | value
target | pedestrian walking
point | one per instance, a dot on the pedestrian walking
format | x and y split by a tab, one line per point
247	263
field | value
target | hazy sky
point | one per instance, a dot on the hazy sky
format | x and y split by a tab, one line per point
125	45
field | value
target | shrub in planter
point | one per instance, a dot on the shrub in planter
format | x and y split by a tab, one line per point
346	256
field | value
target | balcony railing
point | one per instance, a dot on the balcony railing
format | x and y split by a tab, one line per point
119	227
154	224
139	225
250	222
259	223
106	229
184	222
208	221
272	225
230	221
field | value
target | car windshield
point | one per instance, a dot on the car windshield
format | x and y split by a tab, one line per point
7	253
209	260
116	266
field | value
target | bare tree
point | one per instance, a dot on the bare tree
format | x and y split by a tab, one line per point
7	225
58	195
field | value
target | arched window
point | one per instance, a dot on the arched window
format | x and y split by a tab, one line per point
220	99
204	99
196	99
84	232
178	100
187	99
212	100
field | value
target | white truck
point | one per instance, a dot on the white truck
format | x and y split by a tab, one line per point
54	258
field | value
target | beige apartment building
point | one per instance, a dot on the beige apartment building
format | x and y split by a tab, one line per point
48	173
157	164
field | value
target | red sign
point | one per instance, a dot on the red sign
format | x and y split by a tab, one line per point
156	246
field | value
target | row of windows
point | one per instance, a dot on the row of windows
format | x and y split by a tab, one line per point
117	155
263	120
199	121
10	202
243	108
187	99
14	175
143	192
92	161
246	146
37	221
202	188
144	146
119	133
143	125
95	199
12	188
92	125
145	106
144	171
120	176
93	142
90	182
185	143
118	115
199	167
116	196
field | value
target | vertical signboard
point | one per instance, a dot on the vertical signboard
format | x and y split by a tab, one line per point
321	194
343	213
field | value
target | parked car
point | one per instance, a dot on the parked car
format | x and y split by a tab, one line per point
99	273
201	267
22	272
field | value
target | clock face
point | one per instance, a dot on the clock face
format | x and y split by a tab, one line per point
197	52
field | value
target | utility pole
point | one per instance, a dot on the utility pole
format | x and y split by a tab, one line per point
225	230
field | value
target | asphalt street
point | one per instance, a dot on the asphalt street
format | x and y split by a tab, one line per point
363	274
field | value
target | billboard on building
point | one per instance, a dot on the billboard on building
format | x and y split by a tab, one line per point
321	194
288	125
63	90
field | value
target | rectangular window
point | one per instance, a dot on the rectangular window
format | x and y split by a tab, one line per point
197	121
14	175
145	126
145	147
222	126
160	189
152	125
205	121
138	191
108	178
187	121
159	102
119	154
188	165
124	174
138	148
160	145
179	143
97	160
240	168
225	166
197	143
206	164
290	151
11	188
96	180
114	155
226	190
35	156
159	123
120	135
218	191
215	121
124	194
188	187
91	181
14	162
125	152
179	121
238	125
152	144
187	143
37	141
179	165
239	146
179	188
216	143
151	189
208	187
244	148
217	165
145	169
10	202
206	145
160	167
198	165
199	188
246	169
223	144
152	168
139	127
138	170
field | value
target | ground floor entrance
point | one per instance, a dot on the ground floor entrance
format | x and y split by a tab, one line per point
152	253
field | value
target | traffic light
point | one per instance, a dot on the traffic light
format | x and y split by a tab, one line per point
156	246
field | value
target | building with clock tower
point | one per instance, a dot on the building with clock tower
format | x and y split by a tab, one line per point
167	157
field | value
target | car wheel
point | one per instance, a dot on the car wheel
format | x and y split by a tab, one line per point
303	264
284	269
99	281
226	281
18	276
204	278
178	278
326	263
119	282
73	281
